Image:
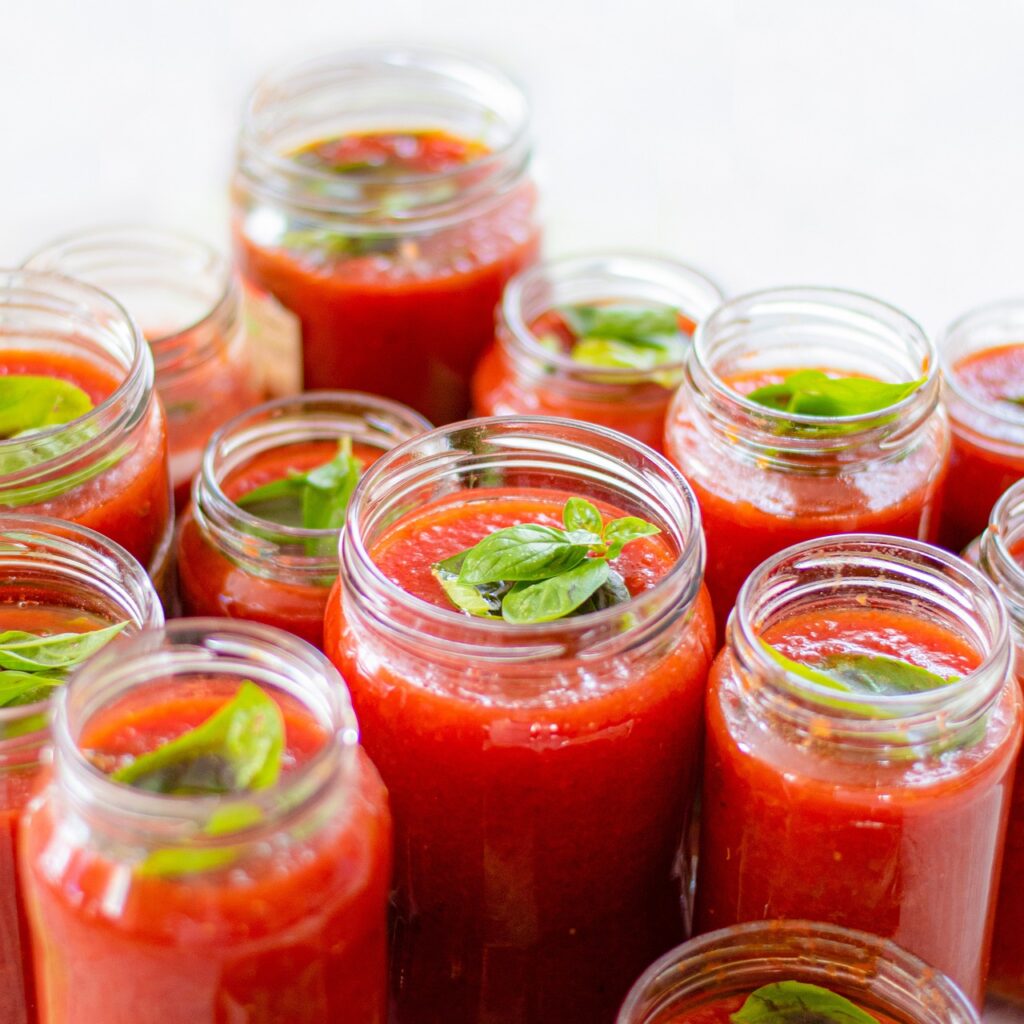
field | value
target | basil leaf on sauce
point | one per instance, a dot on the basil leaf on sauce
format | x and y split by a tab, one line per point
533	573
19	688
338	245
317	499
30	652
863	673
1015	400
238	748
814	393
29	402
796	1002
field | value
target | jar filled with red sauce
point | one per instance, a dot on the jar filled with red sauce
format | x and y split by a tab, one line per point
106	469
55	577
235	562
982	357
541	775
883	807
708	979
766	479
149	907
999	553
184	296
381	202
543	363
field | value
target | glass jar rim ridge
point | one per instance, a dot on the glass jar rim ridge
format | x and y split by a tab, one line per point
188	647
1005	529
661	278
63	302
107	248
860	322
912	570
738	954
277	424
581	451
267	168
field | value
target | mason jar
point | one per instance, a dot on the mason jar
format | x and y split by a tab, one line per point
382	273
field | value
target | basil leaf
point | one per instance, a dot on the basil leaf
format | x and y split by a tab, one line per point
483	599
635	325
619	532
61	651
617	355
795	1002
29	402
337	245
328	490
1016	400
556	597
863	673
613	591
240	747
814	393
526	552
580	514
21	688
184	861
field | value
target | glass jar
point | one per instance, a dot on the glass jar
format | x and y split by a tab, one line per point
521	375
878	811
384	286
149	908
998	553
106	470
49	571
185	297
766	479
234	563
710	977
981	353
542	776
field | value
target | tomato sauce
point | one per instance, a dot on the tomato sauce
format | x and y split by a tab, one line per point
295	936
636	406
538	818
129	501
720	1011
211	582
982	466
905	848
408	314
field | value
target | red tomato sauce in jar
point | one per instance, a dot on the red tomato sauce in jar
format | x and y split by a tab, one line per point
128	498
907	848
983	464
396	312
296	935
720	1011
538	822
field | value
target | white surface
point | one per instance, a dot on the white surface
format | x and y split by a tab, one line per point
875	144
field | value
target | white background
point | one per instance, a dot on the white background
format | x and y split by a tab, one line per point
874	144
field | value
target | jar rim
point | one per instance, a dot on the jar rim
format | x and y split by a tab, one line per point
898	708
213	637
612	263
818	296
755	936
99	237
686	573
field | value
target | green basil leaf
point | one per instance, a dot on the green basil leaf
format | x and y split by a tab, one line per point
526	552
240	747
617	355
483	599
328	489
337	245
613	591
798	668
814	393
636	325
795	1002
1016	400
20	688
619	532
556	597
580	514
878	673
61	651
29	402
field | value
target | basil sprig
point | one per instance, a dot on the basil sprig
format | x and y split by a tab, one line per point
625	337
31	664
867	674
29	402
237	749
814	393
316	500
533	573
796	1002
